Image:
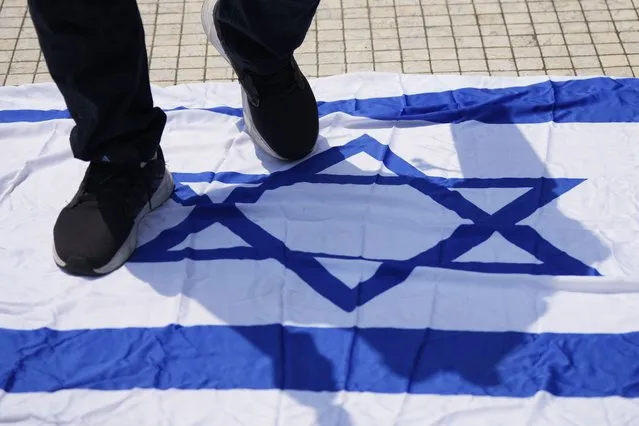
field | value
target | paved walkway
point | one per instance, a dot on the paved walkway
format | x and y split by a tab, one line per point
488	37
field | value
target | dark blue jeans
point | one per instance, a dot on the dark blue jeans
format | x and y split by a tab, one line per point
96	54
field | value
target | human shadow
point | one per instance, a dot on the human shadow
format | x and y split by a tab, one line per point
483	149
484	364
422	360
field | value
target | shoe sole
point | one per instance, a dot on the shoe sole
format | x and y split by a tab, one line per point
208	8
79	266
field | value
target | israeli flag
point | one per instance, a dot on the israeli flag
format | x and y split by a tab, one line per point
457	251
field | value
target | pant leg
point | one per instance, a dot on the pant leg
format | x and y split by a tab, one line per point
96	54
261	35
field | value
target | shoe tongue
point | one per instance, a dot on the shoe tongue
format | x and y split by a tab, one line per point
105	176
276	83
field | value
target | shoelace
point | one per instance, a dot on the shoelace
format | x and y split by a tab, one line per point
119	183
271	86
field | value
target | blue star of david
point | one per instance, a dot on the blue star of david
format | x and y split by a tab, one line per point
390	273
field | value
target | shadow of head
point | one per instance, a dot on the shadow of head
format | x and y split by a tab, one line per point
527	151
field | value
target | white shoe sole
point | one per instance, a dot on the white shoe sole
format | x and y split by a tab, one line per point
162	194
211	33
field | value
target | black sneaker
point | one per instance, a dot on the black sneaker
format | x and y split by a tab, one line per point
97	231
280	110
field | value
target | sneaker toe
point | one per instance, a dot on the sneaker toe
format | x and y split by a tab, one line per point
290	124
87	239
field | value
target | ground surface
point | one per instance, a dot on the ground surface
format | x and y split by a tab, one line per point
490	37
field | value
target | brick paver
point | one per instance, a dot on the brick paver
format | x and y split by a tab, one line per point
485	37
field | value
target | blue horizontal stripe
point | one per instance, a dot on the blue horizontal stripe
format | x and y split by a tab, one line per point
384	360
31	115
596	100
36	116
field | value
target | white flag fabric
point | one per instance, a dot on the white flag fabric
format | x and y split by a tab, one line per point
457	251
